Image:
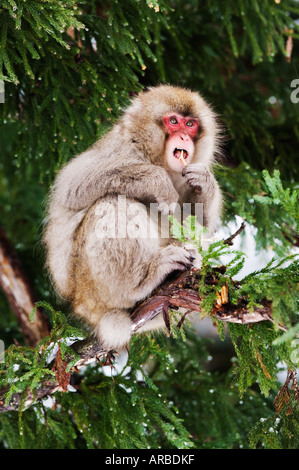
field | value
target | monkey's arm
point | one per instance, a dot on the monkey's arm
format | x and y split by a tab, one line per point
203	188
79	187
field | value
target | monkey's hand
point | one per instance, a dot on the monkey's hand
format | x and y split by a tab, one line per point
200	179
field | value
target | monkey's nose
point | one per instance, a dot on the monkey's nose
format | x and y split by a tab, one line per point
184	137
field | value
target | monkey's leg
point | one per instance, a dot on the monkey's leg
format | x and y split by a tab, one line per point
115	327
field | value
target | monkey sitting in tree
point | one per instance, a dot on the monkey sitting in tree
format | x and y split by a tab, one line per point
160	151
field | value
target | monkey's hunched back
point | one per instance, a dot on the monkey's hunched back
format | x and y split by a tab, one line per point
160	151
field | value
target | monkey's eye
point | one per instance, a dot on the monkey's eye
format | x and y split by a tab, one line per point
190	123
173	120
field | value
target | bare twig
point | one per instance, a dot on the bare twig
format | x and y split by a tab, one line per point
229	240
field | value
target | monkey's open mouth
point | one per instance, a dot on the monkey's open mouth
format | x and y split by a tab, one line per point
179	153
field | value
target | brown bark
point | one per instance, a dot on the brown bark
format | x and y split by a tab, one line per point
19	293
182	292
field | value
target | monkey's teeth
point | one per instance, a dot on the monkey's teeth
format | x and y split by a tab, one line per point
180	153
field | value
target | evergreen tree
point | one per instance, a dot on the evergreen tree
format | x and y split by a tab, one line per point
68	68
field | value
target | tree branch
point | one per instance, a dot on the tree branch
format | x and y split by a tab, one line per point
180	291
19	293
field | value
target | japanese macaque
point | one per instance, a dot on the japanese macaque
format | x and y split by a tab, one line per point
159	152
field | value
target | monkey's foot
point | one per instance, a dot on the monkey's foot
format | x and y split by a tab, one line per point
114	329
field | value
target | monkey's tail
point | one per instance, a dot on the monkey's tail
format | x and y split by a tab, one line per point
59	238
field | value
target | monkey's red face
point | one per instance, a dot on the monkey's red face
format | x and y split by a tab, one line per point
181	133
